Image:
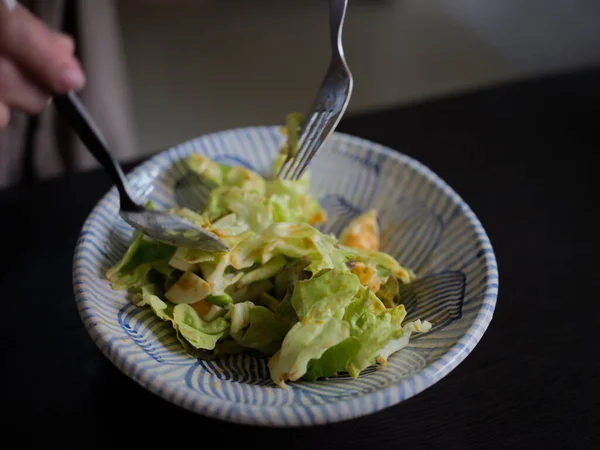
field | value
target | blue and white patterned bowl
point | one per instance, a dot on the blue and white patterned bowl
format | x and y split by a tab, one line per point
424	224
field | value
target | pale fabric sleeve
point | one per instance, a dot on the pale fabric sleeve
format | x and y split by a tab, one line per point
97	34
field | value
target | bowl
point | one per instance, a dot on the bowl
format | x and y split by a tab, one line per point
424	224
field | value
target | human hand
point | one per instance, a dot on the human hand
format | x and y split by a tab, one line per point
35	63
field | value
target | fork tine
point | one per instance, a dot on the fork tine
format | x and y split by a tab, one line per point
331	101
308	145
316	144
292	160
290	163
284	167
315	147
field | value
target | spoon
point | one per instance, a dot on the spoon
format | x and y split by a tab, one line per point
192	192
159	225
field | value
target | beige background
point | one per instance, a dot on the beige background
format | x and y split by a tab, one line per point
200	66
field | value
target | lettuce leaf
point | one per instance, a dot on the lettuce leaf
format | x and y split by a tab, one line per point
190	328
250	207
328	289
321	327
384	262
291	202
297	240
133	268
293	123
376	332
285	281
256	327
207	168
376	327
388	293
264	271
333	361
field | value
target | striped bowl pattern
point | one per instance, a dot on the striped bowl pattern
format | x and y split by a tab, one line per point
424	224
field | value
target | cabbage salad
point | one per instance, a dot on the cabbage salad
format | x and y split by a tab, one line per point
315	304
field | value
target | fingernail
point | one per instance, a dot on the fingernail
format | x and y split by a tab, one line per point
72	79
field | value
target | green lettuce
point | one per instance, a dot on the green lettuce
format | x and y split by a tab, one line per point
335	360
284	289
140	258
190	328
388	293
293	124
256	327
291	202
376	332
250	207
374	326
255	201
264	271
297	240
329	290
386	264
286	280
321	326
207	169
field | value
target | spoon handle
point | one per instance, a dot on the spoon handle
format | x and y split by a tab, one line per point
80	120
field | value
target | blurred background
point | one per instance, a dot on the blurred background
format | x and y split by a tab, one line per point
198	66
161	72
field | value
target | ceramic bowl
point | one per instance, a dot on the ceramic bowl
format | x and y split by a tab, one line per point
424	224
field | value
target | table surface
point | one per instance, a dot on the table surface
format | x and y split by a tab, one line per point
517	155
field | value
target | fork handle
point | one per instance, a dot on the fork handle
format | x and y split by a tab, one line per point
337	14
69	106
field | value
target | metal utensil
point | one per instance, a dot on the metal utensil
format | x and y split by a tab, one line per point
158	225
193	192
330	104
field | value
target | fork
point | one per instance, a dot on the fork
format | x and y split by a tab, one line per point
160	225
330	104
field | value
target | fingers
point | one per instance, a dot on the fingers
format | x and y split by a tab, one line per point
4	115
46	56
17	91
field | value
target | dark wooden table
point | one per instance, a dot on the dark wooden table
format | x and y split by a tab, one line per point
517	153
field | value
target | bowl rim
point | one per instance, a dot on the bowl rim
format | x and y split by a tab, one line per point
319	413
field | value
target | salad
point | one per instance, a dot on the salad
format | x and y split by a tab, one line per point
315	304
